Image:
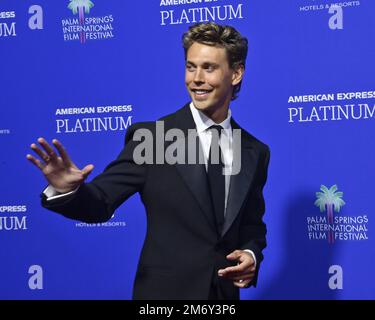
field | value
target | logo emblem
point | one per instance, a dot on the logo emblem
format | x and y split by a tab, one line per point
81	7
329	200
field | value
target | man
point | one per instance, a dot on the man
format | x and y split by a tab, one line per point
205	233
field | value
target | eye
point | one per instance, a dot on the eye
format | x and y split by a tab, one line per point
190	68
209	68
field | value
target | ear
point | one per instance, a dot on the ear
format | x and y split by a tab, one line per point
238	72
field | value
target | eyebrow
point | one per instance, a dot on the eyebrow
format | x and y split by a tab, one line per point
204	64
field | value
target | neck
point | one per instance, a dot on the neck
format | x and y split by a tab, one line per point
217	115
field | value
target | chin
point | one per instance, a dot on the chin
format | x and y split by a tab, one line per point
201	105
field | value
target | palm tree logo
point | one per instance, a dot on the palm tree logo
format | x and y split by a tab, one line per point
330	200
81	7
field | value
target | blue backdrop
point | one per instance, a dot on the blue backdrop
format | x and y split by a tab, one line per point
308	93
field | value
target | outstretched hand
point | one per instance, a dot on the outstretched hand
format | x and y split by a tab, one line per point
60	172
241	274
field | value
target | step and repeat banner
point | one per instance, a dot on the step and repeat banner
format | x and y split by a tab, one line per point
83	71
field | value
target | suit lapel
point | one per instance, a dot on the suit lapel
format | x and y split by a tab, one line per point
196	180
240	183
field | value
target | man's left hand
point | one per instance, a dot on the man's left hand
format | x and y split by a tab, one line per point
241	274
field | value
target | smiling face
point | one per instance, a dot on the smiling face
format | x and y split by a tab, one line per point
210	80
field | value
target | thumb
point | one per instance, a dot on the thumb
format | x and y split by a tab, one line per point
87	170
234	255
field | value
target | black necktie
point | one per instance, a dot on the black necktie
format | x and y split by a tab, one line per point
216	177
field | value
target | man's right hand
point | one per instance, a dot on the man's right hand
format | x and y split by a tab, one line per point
60	172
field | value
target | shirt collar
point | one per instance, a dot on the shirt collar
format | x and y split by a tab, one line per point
203	122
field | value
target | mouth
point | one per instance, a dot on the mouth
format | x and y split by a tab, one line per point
201	93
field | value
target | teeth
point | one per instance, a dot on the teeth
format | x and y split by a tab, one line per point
200	92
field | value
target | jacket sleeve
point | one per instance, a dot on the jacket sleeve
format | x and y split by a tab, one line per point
253	229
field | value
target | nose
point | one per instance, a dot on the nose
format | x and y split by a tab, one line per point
198	76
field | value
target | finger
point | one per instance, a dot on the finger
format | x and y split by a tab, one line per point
241	284
40	152
225	271
240	274
241	256
62	151
35	161
235	269
87	170
237	275
49	150
234	255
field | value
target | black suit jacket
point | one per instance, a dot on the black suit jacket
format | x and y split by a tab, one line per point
183	249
